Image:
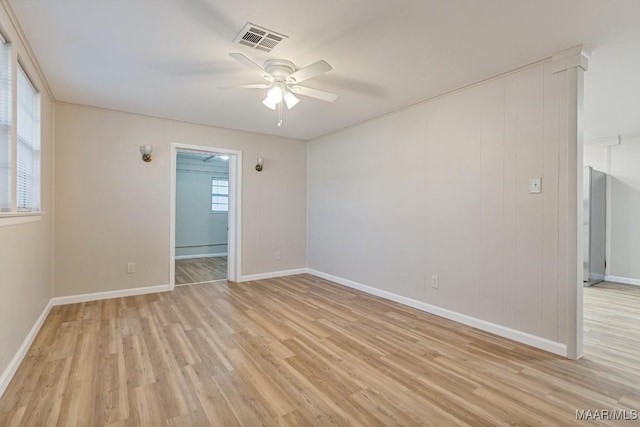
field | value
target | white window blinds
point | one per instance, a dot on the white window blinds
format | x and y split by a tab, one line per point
28	145
6	158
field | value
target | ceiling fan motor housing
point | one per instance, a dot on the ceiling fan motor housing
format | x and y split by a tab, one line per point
280	69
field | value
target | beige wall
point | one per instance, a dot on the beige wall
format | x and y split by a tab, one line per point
26	249
622	164
112	208
442	189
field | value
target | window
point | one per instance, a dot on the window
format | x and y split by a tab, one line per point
219	195
28	164
19	138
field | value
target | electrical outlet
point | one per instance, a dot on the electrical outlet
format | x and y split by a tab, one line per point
435	282
131	267
277	255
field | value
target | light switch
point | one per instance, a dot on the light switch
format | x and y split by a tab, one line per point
535	186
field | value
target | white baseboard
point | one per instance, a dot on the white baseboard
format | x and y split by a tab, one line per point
11	369
96	296
272	274
201	256
625	280
503	331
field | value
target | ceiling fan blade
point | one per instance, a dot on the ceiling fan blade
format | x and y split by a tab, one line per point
249	86
249	63
306	73
314	93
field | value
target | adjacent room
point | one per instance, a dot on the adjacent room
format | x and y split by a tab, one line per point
202	208
319	213
611	188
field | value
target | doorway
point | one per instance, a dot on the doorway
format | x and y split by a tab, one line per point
205	212
612	146
611	332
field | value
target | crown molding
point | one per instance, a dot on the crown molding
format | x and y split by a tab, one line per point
575	56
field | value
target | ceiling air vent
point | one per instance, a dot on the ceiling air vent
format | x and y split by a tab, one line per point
259	38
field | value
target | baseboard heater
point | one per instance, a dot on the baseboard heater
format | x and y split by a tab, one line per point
200	246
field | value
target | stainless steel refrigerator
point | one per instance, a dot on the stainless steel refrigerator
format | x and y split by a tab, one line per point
595	211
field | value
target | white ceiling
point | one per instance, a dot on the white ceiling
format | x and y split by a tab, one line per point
166	58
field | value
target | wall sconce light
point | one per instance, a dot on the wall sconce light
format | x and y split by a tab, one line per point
259	164
146	151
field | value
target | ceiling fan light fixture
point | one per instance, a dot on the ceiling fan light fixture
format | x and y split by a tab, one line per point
268	102
274	97
275	94
290	99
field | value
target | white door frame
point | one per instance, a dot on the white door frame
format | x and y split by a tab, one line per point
235	208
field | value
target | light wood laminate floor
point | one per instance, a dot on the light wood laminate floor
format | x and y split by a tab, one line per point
612	324
199	270
302	351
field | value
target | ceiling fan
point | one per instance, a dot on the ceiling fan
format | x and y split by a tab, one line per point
283	82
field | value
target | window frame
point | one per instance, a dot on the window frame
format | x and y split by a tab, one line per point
14	215
7	152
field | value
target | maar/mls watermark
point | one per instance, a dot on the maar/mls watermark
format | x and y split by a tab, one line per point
607	414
